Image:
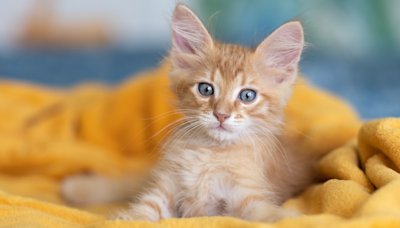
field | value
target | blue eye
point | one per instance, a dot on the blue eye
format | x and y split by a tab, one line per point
206	89
247	95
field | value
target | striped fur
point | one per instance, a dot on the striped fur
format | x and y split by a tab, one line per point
246	169
243	167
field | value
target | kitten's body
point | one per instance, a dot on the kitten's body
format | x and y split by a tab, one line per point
229	157
240	180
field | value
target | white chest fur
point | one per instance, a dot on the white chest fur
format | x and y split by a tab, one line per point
213	182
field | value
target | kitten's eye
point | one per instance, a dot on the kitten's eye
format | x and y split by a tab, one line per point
206	89
247	95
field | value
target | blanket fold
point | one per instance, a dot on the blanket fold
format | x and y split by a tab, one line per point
46	134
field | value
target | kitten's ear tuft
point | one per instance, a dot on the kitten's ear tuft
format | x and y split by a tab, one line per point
190	38
280	52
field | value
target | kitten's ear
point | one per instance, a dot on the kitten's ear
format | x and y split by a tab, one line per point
280	53
190	38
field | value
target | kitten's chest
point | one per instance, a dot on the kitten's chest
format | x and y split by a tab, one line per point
211	181
216	174
202	165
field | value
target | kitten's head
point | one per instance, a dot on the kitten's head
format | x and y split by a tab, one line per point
228	91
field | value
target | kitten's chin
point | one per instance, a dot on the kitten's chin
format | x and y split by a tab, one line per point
222	135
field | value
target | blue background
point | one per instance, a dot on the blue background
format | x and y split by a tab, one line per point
354	49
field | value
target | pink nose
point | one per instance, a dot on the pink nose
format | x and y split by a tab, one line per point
221	117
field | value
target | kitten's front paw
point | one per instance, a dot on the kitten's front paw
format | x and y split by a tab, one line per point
122	215
129	215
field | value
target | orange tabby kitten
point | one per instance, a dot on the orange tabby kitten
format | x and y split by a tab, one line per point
229	158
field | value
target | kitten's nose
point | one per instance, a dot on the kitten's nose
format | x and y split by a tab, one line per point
221	117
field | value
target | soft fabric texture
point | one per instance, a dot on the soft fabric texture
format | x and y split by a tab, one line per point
46	134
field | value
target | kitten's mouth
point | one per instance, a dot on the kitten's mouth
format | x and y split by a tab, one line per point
222	132
221	128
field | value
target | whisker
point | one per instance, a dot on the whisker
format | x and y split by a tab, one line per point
159	132
172	135
248	137
173	112
130	141
290	127
200	129
180	131
161	140
268	149
190	129
280	149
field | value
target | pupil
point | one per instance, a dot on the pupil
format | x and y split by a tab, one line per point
247	95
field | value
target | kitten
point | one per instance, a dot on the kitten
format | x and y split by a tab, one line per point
229	157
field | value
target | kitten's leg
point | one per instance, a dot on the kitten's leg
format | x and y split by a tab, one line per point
253	209
89	189
154	204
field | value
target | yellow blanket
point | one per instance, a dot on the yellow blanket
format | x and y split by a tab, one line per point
46	134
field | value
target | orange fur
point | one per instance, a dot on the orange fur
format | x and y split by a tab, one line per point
240	166
228	157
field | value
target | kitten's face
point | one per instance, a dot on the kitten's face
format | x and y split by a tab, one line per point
226	96
228	91
228	102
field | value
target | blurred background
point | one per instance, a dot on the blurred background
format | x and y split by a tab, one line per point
354	45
